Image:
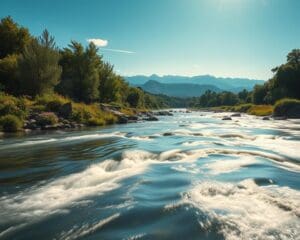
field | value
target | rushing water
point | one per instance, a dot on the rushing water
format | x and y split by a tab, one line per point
190	176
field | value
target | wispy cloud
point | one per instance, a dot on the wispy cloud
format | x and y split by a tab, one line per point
117	50
98	42
101	43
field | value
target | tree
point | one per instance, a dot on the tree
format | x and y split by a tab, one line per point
13	38
8	77
80	75
286	79
135	97
39	71
259	93
294	56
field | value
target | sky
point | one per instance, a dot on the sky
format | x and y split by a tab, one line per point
228	38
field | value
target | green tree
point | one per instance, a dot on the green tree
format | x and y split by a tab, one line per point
38	68
259	93
135	97
80	75
13	38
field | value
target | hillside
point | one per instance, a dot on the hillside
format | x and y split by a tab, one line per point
177	89
228	84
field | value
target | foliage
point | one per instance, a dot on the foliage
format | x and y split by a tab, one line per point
51	102
135	97
10	105
10	123
13	38
287	107
261	110
8	76
47	118
80	77
38	66
91	115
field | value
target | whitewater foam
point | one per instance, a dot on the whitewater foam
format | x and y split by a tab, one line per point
247	211
226	166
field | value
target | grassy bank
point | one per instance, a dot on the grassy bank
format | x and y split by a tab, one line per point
54	111
289	108
252	109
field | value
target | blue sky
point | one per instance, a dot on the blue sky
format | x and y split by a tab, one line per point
231	38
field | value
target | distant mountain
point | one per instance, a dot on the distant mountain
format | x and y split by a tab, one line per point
228	84
177	89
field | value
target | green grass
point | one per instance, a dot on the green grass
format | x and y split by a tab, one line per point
261	110
249	108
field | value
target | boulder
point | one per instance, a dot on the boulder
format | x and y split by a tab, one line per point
122	120
226	118
133	118
236	115
150	118
265	118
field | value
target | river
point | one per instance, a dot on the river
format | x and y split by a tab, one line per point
187	176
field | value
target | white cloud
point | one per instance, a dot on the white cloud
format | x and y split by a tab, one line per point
98	42
101	43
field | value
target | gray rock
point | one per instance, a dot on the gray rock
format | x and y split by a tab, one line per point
236	115
122	120
265	118
151	118
280	118
226	118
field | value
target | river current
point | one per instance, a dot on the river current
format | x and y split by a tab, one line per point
187	176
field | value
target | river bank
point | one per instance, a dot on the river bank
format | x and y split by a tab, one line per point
282	109
53	112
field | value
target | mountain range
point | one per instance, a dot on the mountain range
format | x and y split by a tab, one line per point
183	86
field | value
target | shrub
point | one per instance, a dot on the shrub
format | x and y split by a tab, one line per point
95	122
52	102
10	105
46	118
260	110
242	108
287	107
10	123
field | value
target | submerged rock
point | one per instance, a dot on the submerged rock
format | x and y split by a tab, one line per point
265	118
168	134
236	115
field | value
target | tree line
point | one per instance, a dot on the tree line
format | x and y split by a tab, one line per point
35	66
285	83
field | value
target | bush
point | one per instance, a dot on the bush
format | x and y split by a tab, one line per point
260	110
288	108
242	108
95	122
47	118
10	123
52	102
10	105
